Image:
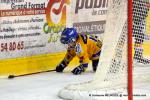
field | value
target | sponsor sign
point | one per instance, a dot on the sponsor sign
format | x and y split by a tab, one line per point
93	14
31	27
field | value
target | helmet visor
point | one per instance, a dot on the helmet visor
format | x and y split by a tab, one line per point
70	46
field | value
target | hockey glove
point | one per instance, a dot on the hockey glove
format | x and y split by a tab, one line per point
61	66
78	70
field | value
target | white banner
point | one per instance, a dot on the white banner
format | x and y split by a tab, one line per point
32	27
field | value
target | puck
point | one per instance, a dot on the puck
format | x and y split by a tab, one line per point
11	76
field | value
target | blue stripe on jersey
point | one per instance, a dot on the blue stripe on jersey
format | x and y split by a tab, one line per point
97	54
92	38
84	38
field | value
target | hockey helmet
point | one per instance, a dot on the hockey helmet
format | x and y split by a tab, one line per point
68	36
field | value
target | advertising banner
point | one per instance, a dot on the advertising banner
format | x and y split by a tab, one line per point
27	29
90	16
33	27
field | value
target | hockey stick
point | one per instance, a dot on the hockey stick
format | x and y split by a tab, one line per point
13	76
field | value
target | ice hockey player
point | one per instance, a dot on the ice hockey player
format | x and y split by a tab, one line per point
85	47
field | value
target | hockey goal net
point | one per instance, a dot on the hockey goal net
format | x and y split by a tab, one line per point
111	78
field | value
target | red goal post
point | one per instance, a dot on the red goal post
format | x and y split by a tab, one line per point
130	81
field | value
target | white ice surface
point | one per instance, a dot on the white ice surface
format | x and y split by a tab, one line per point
43	86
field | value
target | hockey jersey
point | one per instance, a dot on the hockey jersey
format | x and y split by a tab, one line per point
87	48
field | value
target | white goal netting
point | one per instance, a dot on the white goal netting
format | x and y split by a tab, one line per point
110	81
141	33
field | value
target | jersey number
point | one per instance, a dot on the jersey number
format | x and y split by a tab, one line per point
78	49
